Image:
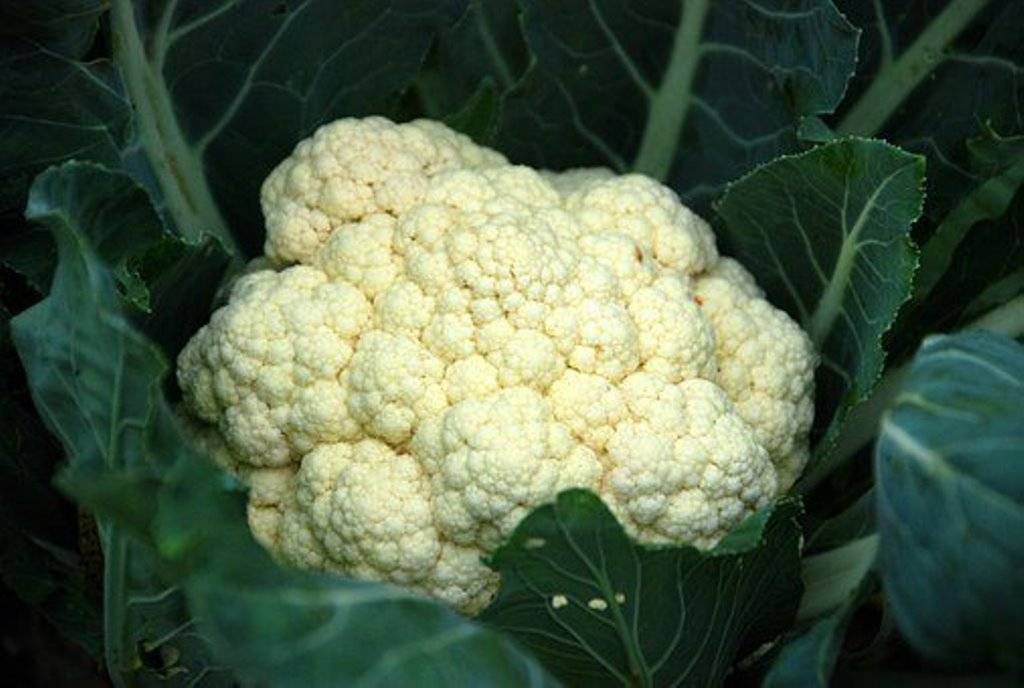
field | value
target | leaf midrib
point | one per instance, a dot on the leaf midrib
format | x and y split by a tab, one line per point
177	166
673	97
898	78
830	305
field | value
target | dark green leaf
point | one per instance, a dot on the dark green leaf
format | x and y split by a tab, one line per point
941	79
930	74
224	90
39	557
808	660
814	130
31	254
53	107
827	234
650	86
486	44
854	522
882	678
831	577
478	117
600	610
67	27
951	501
973	260
96	381
169	283
999	165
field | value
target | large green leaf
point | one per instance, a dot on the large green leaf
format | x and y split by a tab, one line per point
694	92
601	610
167	513
950	471
95	394
827	234
942	79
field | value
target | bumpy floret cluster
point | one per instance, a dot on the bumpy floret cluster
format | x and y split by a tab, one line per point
446	341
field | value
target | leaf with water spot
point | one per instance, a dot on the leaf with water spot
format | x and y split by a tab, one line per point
679	91
950	499
827	234
600	610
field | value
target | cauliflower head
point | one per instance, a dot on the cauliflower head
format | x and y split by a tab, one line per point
444	341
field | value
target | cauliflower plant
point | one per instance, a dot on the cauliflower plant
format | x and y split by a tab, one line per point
447	340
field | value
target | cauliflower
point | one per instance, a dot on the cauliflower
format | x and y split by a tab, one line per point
444	341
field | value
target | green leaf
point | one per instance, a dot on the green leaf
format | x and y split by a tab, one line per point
647	86
486	44
972	262
209	130
30	254
950	488
197	119
600	610
827	234
94	381
478	117
853	523
831	577
1000	165
39	558
97	383
54	106
814	130
169	283
930	76
67	27
809	659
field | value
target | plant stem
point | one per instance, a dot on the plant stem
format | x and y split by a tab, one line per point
669	104
897	80
176	165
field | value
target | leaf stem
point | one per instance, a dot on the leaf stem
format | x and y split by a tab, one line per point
897	80
987	202
176	165
498	61
831	577
669	104
830	305
114	607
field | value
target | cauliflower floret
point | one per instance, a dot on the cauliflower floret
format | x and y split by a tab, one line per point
765	365
350	169
463	338
268	368
684	463
491	458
